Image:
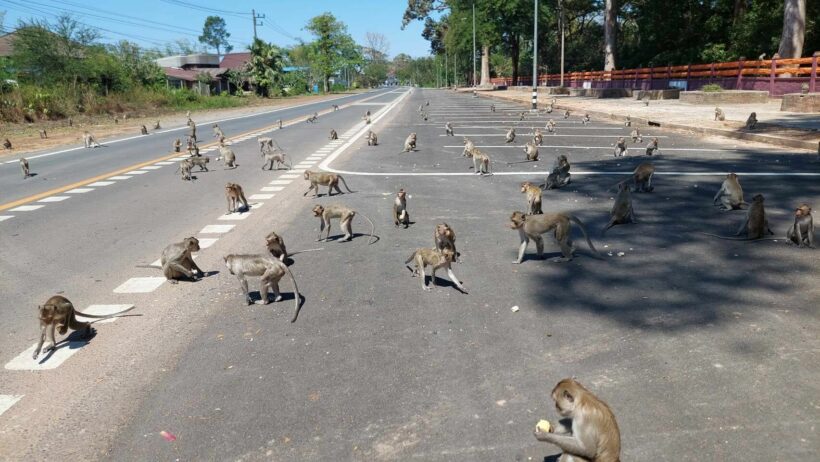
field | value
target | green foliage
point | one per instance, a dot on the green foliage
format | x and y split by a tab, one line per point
295	83
265	68
215	34
332	49
711	88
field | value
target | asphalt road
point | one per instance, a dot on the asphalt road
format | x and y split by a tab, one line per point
705	349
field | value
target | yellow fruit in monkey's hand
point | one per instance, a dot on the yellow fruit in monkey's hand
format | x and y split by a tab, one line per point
543	426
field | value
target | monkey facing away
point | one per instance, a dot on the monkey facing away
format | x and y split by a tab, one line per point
270	270
143	130
345	216
755	225
751	122
410	143
642	177
628	121
550	126
227	154
636	136
59	311
481	162
719	114
801	233
560	175
436	259
622	211
566	114
331	180
652	147
177	145
587	430
533	193
372	139
218	134
43	134
185	169
235	195
620	147
276	246
157	126
24	166
400	214
533	226
445	238
730	194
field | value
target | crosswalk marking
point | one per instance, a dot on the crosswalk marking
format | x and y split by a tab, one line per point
26	208
7	401
216	229
260	197
119	177
136	172
5	217
234	216
140	285
152	167
79	190
102	183
54	199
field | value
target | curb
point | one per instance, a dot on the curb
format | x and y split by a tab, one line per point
760	138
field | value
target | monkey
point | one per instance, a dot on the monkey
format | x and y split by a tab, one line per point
719	114
628	121
423	116
43	134
177	145
345	216
761	57
587	431
585	119
265	144
436	259
448	129
229	156
622	211
333	134
531	151
276	246
24	166
566	114
421	108
521	115
801	233
176	261
550	126
59	311
756	225
185	168
217	131
445	238
116	120
427	102
270	270
730	194
550	108
492	107
469	146
367	119
636	136
143	130
199	161
481	162
620	147
400	214
331	180
642	177
157	126
192	131
533	226
335	107
372	139
510	137
537	137
533	193
275	157
652	147
89	141
188	115
560	175
410	143
751	122
312	119
234	195
279	123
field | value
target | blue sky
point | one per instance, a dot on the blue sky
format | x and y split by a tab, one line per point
172	19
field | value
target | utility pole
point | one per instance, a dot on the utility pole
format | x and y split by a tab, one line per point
254	17
446	67
474	49
535	58
561	22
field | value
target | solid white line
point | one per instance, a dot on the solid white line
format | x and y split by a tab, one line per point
216	229
119	177
101	183
140	285
54	199
610	148
5	217
545	133
79	190
26	208
7	401
548	135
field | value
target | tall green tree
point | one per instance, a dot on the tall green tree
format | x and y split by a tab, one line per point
265	67
332	49
215	34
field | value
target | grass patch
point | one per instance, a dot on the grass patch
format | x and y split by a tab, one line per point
711	88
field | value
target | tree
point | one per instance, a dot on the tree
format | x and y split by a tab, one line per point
215	34
794	29
333	47
265	67
610	41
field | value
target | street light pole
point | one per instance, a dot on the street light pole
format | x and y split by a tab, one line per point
561	22
535	59
474	49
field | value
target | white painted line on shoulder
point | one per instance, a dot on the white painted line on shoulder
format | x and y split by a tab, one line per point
101	183
102	310
216	229
609	148
551	135
119	177
281	182
26	208
152	167
136	172
269	189
260	197
140	285
289	175
206	242
54	199
275	188
234	216
79	190
7	401
5	217
165	162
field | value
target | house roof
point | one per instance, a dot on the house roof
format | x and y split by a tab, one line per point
6	44
189	75
234	60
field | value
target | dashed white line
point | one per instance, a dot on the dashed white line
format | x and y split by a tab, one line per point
7	401
101	183
234	216
119	177
270	189
636	147
281	182
54	199
206	242
26	208
260	197
165	162
140	285
216	229
5	217
136	172
152	167
289	175
79	190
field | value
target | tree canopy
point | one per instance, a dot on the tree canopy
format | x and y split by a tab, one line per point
215	34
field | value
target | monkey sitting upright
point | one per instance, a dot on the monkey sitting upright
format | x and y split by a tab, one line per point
801	233
400	214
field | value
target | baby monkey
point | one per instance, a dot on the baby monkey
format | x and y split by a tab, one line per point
400	214
445	238
533	193
436	259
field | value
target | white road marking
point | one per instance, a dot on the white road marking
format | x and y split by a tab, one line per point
235	216
369	104
5	217
54	199
456	126
556	135
26	208
102	310
79	190
136	172
315	157
7	401
260	197
119	177
165	162
304	164
101	183
281	182
152	167
256	205
177	159
216	229
140	285
270	189
610	148
206	242
289	175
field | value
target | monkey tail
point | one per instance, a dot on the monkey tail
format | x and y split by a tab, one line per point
586	236
297	298
105	316
409	259
372	228
342	179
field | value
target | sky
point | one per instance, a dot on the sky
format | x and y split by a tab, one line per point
169	20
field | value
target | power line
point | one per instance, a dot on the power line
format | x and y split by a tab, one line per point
204	8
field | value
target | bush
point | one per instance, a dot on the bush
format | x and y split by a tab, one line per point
711	88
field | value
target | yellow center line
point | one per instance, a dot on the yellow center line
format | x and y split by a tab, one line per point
88	181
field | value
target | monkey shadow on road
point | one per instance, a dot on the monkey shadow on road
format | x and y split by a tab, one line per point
74	341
